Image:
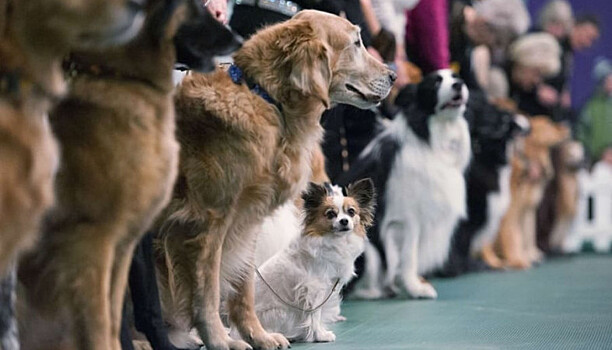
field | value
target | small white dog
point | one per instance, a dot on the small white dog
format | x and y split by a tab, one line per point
297	290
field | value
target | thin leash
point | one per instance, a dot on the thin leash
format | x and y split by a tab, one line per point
293	306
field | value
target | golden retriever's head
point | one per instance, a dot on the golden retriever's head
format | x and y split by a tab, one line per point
546	133
315	55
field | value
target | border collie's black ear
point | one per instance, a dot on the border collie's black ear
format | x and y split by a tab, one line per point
313	196
406	96
201	38
161	17
364	193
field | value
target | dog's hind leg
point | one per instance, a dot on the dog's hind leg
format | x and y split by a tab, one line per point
242	314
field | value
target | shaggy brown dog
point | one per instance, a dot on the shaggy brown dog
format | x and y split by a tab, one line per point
560	205
531	171
34	36
119	161
242	157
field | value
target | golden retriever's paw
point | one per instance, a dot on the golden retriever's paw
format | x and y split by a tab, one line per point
420	289
518	264
227	344
269	341
536	256
324	336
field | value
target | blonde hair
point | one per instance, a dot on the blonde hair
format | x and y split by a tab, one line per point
558	12
505	15
539	50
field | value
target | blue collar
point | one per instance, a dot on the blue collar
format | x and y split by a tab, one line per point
237	76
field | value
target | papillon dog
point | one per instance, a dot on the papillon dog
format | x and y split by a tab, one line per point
297	290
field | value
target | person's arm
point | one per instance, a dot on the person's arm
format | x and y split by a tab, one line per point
370	17
481	64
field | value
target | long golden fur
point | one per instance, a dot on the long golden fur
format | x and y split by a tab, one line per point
242	157
119	161
531	171
34	36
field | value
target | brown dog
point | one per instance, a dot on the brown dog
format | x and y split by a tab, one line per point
567	161
531	171
119	161
34	36
242	157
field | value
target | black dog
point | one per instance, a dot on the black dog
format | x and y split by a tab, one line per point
196	43
488	181
9	338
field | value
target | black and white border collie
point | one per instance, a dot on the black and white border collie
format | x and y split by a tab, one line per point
492	132
417	164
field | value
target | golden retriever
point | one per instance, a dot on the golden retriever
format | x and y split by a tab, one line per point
34	37
119	161
531	171
242	157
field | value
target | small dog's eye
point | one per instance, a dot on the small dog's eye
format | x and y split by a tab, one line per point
330	214
351	212
358	42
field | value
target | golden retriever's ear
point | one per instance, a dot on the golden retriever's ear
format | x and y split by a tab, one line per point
310	72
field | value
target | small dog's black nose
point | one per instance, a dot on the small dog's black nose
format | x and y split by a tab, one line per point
392	76
344	222
457	85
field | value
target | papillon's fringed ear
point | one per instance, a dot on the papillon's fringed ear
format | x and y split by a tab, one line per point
313	196
311	69
364	193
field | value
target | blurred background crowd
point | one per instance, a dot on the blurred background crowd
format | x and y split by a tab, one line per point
544	57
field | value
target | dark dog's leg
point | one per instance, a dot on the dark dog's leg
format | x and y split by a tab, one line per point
9	338
145	296
126	334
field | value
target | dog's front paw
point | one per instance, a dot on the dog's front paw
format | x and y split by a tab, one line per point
269	341
518	264
536	256
324	336
226	343
338	318
420	289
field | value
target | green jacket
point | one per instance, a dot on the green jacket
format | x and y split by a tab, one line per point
595	125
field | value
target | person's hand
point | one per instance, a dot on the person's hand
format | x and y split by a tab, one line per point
607	156
547	95
218	8
403	78
566	99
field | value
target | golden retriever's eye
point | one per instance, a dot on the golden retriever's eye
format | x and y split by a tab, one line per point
351	212
331	214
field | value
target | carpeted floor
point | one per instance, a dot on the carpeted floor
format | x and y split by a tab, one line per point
564	304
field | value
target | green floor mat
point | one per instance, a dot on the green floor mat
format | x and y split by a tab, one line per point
564	304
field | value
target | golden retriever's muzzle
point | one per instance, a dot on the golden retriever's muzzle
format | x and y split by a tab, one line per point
363	90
